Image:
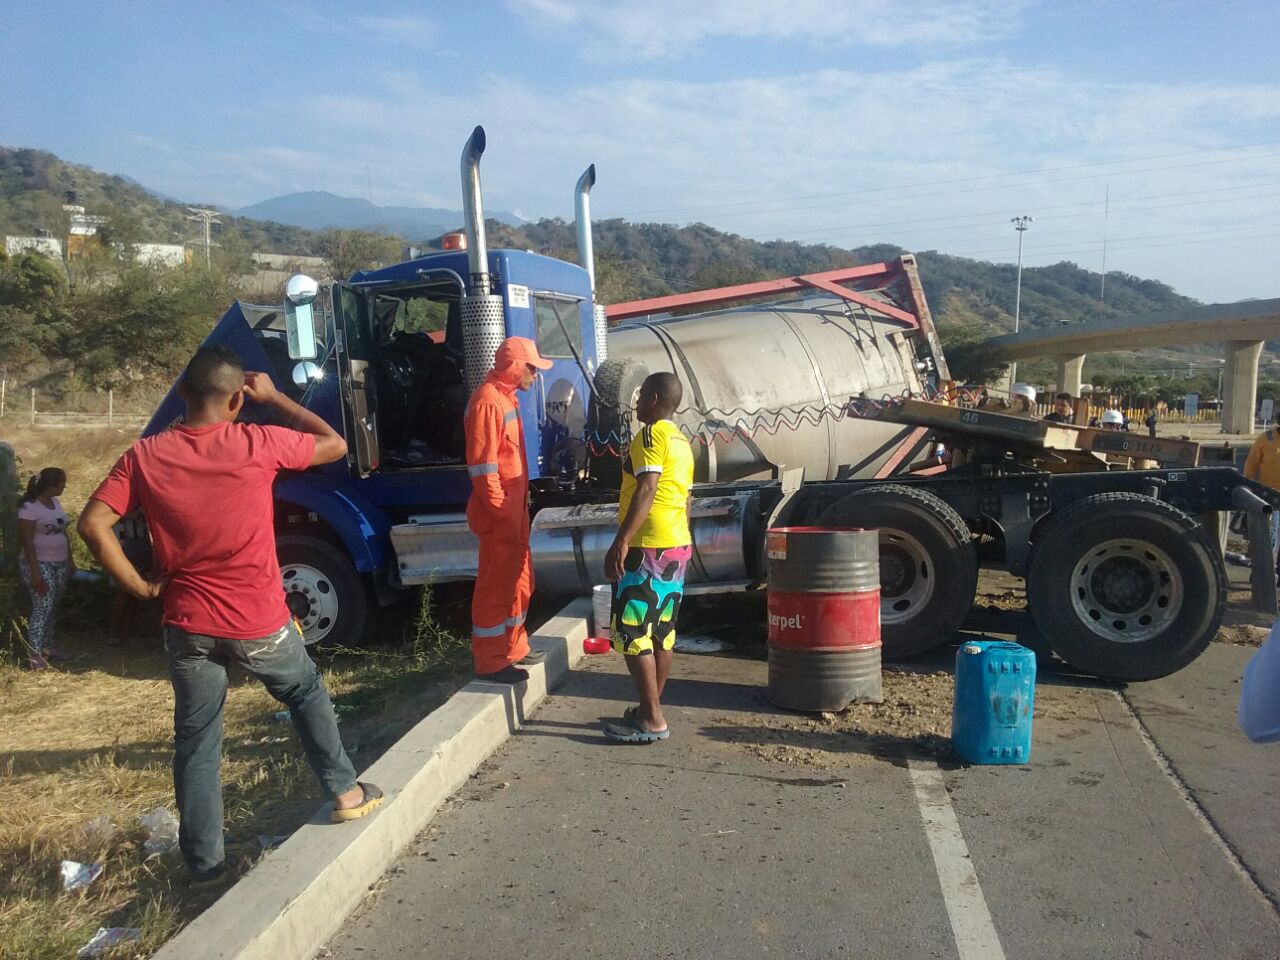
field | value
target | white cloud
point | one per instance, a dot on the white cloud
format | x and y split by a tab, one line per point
916	156
653	29
417	32
148	142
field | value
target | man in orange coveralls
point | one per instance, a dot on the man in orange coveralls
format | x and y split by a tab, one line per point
498	514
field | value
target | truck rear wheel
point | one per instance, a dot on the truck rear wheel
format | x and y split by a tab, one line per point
1126	587
324	592
928	567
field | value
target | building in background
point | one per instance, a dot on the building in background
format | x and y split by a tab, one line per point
160	254
50	247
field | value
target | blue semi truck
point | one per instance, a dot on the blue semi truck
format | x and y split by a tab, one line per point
795	408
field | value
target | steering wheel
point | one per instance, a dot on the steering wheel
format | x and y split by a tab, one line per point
399	370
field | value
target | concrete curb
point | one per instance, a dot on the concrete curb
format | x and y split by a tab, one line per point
291	903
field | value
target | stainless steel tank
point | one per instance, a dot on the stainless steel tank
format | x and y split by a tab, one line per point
568	544
771	380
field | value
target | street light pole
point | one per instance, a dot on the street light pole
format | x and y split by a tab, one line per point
1020	224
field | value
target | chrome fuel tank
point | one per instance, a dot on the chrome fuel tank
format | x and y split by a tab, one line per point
569	543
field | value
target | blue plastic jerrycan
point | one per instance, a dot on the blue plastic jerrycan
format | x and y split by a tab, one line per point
994	702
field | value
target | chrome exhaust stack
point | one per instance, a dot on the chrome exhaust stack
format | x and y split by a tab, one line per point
587	256
473	212
582	217
483	320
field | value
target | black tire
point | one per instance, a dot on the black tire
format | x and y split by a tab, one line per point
928	566
609	423
1126	587
324	592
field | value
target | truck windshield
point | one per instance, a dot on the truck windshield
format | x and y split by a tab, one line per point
556	318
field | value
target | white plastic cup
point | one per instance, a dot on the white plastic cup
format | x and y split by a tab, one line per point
601	601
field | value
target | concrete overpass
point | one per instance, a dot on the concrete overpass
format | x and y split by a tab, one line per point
1239	327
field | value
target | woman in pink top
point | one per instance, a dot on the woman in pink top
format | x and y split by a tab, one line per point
45	562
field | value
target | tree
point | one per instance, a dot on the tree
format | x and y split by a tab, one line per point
347	251
31	315
123	232
969	358
1134	390
1269	390
616	279
142	324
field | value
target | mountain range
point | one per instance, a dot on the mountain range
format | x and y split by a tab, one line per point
319	210
634	260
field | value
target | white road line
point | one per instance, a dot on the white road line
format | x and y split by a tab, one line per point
971	924
1242	869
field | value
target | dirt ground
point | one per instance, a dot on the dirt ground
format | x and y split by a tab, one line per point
914	718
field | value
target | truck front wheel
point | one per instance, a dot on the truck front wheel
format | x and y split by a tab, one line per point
1126	587
928	567
324	592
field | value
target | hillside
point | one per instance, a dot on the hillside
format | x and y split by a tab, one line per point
319	210
660	259
633	260
34	184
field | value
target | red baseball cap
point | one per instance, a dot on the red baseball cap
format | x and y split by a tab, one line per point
520	350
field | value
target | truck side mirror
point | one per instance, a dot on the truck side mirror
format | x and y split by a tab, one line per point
299	319
306	371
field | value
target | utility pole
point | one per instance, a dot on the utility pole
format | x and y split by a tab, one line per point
1102	290
208	218
1020	224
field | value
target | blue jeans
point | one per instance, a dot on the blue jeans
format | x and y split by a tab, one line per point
198	670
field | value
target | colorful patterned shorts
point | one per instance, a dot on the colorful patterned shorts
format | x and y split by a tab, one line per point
646	601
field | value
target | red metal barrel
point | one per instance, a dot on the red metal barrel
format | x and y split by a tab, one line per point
824	617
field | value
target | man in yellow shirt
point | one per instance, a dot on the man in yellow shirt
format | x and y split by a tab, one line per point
650	554
1263	465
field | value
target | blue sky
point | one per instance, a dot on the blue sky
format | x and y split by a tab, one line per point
927	124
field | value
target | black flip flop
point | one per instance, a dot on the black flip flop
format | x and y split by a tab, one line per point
630	731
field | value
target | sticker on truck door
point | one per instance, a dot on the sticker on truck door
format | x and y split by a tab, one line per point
776	545
517	295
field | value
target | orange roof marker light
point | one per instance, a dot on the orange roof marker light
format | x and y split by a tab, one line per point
454	241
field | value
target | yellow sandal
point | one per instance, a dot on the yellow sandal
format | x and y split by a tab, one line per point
372	801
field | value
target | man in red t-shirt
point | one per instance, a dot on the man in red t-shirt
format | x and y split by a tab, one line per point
205	487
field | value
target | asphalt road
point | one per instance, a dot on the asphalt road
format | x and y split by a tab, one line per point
1144	826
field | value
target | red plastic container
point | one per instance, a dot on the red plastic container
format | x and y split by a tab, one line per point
596	645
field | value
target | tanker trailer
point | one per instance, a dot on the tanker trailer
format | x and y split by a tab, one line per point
767	387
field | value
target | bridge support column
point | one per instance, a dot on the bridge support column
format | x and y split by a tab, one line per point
1070	373
1240	385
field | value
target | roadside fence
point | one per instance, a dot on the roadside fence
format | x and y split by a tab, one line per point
26	407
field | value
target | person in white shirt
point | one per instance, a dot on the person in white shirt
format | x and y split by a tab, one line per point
45	562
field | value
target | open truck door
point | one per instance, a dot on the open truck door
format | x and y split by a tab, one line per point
355	371
353	341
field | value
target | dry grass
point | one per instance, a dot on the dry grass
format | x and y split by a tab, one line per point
86	454
95	738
